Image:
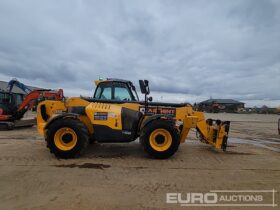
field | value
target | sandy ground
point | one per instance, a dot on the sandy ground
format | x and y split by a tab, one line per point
121	176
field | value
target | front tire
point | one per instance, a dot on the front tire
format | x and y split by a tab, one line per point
160	139
67	138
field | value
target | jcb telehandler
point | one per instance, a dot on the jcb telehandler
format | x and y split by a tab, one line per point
115	114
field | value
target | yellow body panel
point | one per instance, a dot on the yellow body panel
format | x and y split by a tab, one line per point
76	101
53	108
112	111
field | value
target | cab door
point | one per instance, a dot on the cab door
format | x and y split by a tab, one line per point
116	93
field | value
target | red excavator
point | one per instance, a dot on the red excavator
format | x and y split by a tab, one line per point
14	106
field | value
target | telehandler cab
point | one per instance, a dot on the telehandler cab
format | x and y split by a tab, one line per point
115	114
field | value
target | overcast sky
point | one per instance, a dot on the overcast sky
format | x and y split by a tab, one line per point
189	50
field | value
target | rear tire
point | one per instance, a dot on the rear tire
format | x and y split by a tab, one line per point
160	139
67	138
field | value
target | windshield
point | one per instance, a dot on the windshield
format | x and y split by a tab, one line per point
122	94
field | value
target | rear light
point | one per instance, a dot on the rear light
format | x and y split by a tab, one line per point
1	111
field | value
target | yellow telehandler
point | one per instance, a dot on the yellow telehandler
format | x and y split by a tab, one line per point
115	114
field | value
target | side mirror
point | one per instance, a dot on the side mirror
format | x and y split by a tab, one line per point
144	86
147	87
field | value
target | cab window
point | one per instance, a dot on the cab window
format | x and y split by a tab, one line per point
98	92
113	91
122	93
106	93
103	92
5	98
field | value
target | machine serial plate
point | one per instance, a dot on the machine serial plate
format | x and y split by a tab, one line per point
100	116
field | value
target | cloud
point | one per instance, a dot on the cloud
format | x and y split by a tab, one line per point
197	49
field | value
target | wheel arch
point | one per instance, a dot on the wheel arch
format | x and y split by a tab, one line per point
79	117
154	117
61	116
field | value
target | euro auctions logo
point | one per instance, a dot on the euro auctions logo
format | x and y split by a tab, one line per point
192	198
224	198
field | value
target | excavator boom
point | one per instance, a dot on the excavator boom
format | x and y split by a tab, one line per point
15	82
